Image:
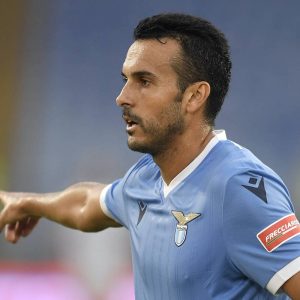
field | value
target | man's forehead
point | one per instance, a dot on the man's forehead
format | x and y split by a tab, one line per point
152	52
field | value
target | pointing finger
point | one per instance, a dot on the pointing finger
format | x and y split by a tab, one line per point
10	232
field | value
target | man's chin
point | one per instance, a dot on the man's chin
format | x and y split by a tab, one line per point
137	146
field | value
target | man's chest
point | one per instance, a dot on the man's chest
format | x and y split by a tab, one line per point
176	239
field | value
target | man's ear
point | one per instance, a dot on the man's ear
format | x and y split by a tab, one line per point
195	96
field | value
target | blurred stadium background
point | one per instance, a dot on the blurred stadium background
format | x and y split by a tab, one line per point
60	63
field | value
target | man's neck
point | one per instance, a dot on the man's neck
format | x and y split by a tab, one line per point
181	153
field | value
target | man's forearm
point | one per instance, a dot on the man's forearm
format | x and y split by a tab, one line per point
62	207
76	207
73	207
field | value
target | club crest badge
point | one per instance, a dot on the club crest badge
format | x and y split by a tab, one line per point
181	227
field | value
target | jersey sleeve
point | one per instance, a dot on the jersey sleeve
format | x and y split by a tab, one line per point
111	201
115	198
261	230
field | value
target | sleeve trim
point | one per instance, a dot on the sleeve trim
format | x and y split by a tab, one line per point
283	275
103	203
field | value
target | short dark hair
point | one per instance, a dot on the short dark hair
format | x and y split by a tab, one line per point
205	53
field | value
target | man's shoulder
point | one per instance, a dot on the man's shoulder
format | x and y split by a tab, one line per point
232	164
244	175
235	159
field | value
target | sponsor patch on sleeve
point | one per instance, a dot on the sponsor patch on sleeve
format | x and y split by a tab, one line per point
279	232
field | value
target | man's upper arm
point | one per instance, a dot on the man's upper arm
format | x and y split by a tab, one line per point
261	204
292	287
94	217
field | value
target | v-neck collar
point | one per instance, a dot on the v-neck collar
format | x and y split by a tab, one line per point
167	188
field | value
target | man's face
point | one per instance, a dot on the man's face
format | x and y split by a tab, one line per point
150	98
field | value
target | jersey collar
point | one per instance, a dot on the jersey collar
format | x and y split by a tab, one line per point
218	136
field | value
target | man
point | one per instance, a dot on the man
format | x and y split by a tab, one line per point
207	219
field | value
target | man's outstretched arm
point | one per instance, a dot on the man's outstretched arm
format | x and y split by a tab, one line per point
76	207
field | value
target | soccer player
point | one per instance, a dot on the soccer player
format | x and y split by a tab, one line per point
207	219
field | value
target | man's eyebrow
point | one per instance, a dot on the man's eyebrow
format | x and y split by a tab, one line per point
139	74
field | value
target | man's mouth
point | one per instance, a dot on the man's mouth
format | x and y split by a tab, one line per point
130	121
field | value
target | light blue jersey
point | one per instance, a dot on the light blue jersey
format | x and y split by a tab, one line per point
223	229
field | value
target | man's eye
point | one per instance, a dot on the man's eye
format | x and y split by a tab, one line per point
124	79
145	82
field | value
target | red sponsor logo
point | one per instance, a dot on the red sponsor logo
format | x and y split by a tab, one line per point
279	232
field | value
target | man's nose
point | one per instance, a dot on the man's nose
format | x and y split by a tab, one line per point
125	97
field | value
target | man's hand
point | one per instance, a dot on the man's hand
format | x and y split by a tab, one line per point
21	228
13	218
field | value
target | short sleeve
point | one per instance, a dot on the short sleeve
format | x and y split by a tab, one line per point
111	201
260	228
116	198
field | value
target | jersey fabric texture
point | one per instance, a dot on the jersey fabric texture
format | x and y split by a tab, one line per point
197	238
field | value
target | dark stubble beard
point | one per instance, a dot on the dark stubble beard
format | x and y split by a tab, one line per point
161	131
